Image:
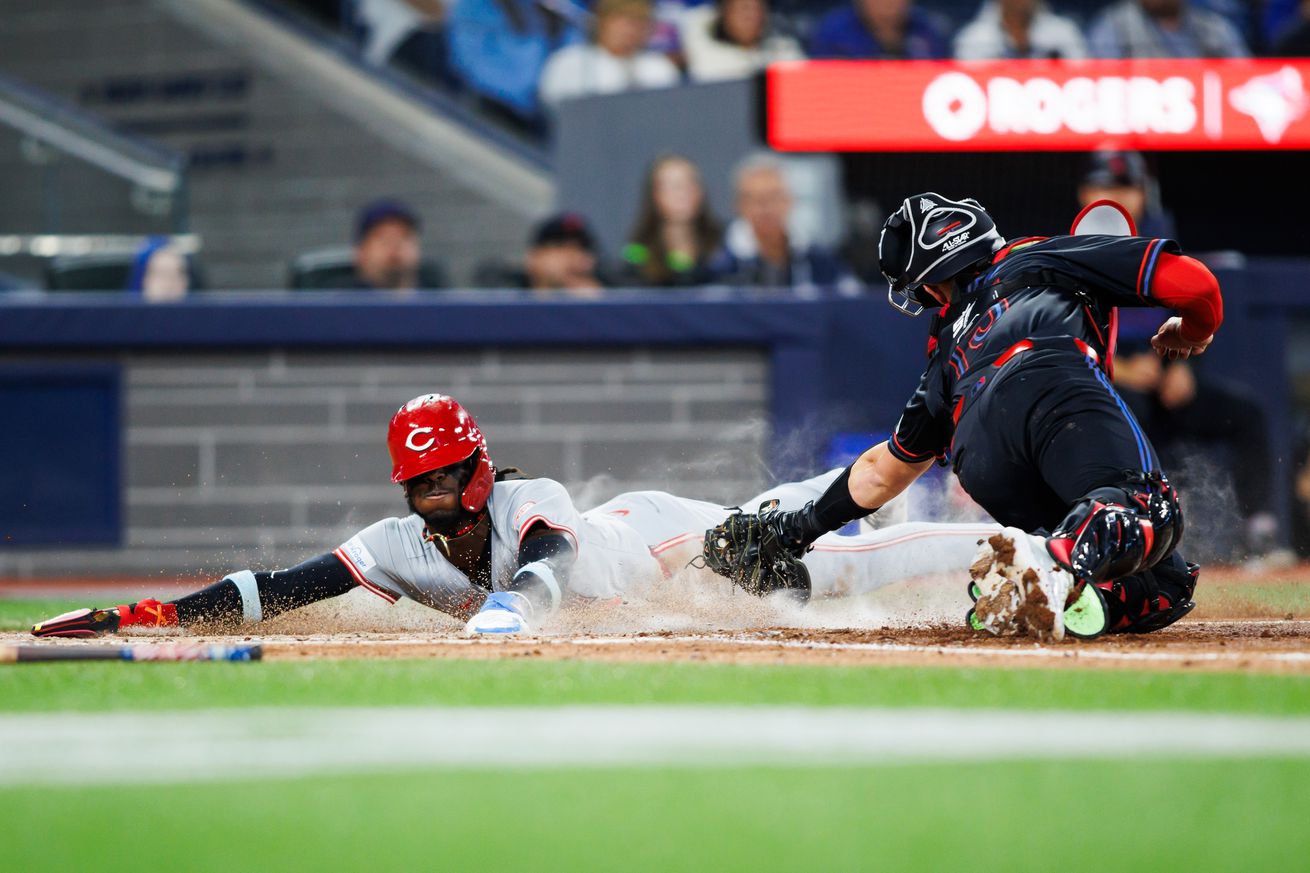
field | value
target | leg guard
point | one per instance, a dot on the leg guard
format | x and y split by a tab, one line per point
1118	531
1152	599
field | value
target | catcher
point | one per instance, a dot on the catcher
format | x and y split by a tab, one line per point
1017	398
503	552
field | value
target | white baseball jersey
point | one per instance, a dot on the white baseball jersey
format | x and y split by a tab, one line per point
392	559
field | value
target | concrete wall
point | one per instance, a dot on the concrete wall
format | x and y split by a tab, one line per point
263	458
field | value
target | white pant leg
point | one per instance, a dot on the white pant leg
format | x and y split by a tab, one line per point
852	565
672	527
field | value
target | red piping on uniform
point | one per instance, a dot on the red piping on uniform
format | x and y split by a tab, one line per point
1141	271
359	577
1087	350
1020	346
959	408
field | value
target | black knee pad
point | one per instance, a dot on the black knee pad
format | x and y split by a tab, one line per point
1118	530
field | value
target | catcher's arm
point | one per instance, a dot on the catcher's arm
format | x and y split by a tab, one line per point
762	553
877	476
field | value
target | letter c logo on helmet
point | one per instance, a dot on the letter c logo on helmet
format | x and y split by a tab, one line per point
410	444
929	239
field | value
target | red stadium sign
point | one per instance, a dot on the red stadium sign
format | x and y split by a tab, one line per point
905	106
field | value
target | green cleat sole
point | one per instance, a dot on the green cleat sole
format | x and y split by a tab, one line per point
1088	617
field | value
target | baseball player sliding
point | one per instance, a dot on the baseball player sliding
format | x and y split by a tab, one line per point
1017	395
503	553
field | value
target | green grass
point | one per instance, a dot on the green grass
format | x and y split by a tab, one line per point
22	614
1277	598
97	687
1187	816
1071	816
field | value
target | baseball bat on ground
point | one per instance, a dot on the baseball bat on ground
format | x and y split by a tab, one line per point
22	654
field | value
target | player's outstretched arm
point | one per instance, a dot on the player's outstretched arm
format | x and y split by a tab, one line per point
1187	286
244	597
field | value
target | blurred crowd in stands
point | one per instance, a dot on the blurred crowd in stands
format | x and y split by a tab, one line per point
675	240
522	58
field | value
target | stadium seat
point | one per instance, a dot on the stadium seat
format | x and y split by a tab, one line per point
334	269
107	272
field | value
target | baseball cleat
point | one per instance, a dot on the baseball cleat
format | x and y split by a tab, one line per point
97	622
1089	615
501	614
1021	590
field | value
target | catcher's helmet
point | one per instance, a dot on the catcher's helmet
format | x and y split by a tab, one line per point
930	239
434	431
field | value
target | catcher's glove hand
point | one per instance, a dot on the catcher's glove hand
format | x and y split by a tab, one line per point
759	553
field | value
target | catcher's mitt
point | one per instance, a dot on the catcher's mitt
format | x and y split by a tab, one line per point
752	551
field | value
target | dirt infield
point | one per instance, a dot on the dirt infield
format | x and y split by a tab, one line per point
1232	630
1258	646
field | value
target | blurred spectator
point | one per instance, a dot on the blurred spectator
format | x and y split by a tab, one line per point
1163	29
161	273
892	29
616	60
560	261
763	246
500	47
1195	422
387	248
1294	39
389	24
1019	29
731	39
676	233
562	257
1122	176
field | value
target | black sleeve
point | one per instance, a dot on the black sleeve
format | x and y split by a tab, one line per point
552	546
308	582
553	554
920	435
1116	269
317	579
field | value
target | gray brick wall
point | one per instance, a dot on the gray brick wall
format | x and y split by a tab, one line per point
264	458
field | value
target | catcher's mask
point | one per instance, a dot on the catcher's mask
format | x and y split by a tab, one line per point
929	240
434	431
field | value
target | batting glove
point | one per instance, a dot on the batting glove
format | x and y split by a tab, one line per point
504	612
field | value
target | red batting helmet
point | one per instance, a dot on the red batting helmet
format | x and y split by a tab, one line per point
434	431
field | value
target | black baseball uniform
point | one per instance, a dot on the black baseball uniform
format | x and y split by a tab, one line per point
1017	393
